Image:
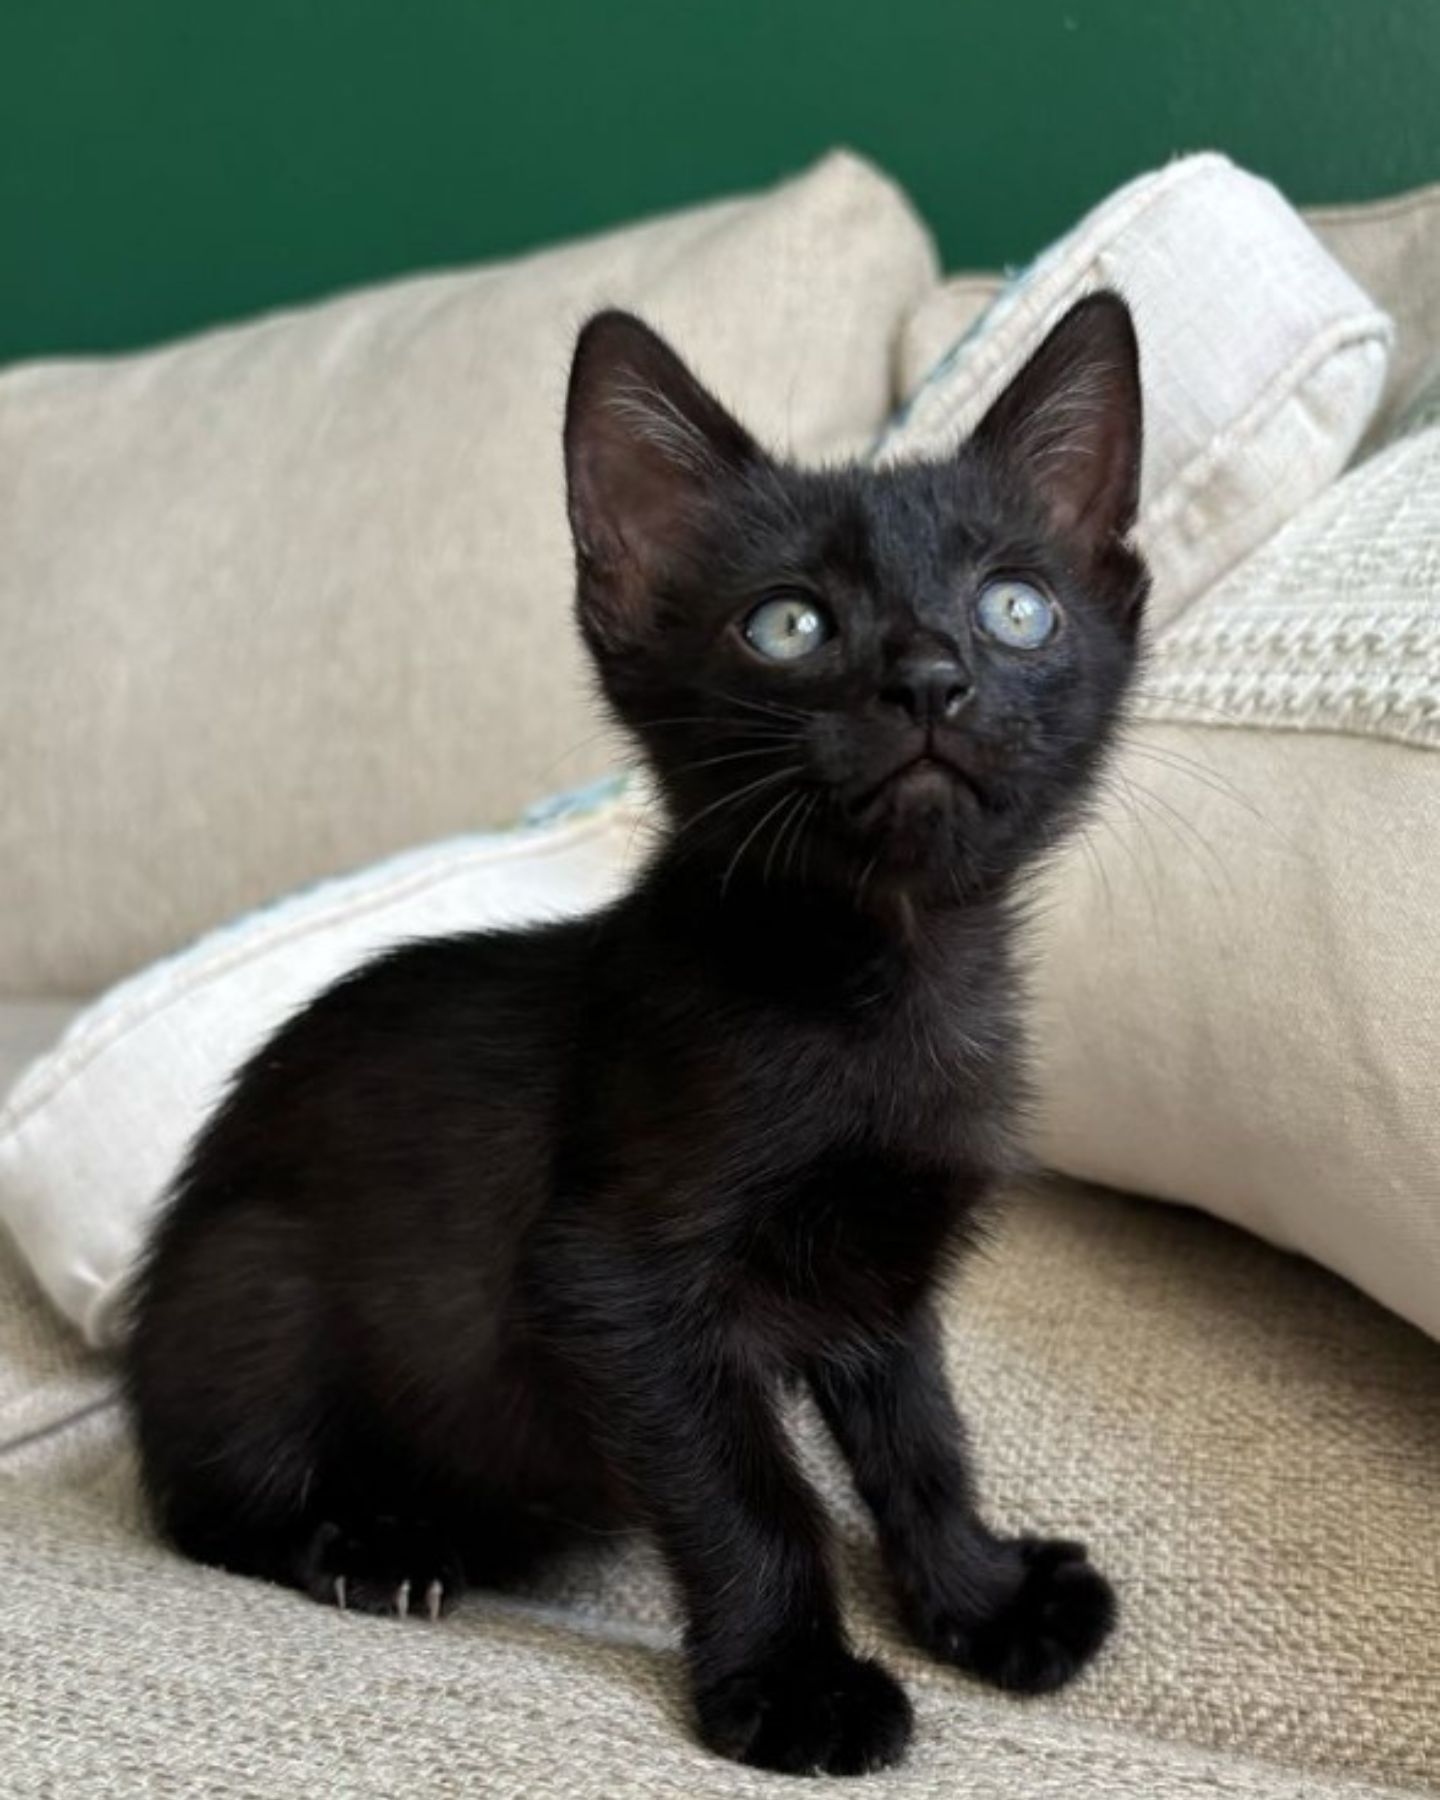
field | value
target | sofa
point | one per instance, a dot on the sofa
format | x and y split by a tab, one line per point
1248	1443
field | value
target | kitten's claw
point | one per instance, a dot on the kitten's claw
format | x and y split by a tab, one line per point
394	1568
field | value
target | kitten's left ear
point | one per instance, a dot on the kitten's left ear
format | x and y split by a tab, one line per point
645	448
1070	425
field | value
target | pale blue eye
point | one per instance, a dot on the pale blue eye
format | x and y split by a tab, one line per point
788	627
1016	614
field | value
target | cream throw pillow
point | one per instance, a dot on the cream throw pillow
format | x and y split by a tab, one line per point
285	598
1239	989
93	1133
1391	247
1262	359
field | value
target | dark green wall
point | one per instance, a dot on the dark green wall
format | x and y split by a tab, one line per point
165	163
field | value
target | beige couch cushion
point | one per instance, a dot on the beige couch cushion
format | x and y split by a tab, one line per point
1247	1444
1392	248
286	597
1238	1000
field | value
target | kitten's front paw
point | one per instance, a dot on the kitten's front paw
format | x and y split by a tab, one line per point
815	1713
1055	1616
396	1567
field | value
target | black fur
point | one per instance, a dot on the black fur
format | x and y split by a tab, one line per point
512	1238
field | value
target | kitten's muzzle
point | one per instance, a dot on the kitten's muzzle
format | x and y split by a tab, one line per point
928	690
927	770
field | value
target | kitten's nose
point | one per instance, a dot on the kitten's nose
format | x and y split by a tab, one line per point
928	689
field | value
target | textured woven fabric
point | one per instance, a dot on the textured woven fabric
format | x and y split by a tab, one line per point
1237	985
1334	625
1248	1445
289	597
1261	358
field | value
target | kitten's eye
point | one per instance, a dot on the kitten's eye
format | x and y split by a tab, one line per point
1016	614
788	627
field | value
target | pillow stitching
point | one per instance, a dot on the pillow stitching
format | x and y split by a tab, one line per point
1356	331
1299	721
1319	690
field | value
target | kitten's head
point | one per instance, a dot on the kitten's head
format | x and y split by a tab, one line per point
890	678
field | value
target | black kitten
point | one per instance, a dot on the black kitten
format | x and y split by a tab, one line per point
511	1238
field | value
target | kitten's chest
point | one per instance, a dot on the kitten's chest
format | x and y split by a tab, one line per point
927	1076
849	1239
896	1131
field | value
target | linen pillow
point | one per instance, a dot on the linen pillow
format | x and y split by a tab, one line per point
1262	360
1391	247
1237	980
94	1132
284	598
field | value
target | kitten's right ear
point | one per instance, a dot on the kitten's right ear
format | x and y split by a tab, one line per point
645	447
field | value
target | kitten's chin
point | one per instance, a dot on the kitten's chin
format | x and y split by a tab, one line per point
912	819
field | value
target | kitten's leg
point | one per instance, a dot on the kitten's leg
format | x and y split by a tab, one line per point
697	1442
1025	1613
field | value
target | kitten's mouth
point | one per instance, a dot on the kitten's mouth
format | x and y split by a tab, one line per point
926	779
